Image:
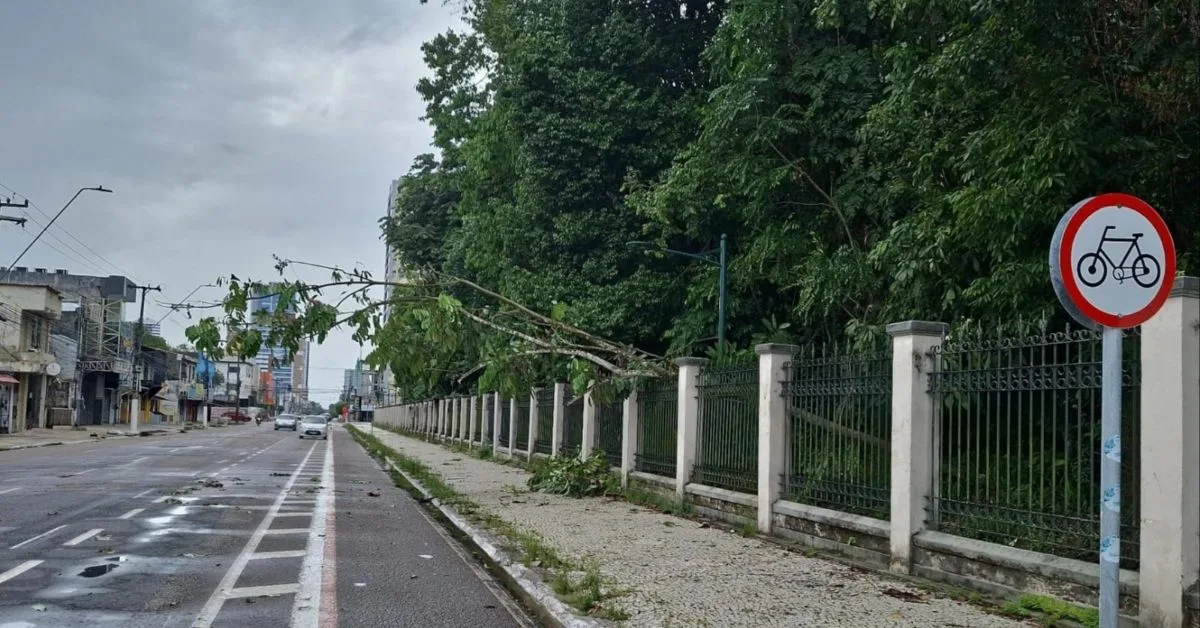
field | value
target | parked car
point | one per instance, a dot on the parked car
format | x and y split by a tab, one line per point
315	426
287	422
238	418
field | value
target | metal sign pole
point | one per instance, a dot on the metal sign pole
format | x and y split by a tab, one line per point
1110	477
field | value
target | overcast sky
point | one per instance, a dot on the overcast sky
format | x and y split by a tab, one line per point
230	130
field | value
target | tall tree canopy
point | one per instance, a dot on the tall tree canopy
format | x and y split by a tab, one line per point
869	161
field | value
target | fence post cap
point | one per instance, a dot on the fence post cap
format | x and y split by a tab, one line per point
917	328
1188	287
774	347
691	361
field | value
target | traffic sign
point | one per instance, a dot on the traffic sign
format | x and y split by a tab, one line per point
1112	265
1112	261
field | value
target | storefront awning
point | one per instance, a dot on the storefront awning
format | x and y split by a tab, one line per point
8	379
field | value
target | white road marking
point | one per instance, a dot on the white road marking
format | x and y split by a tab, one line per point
134	461
18	570
131	514
42	535
83	537
10	490
193	474
288	531
270	589
143	493
208	614
174	450
306	607
279	554
305	513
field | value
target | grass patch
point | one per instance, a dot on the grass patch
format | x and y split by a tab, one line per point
587	594
1050	611
658	502
748	529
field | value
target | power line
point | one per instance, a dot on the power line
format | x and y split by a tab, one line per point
111	265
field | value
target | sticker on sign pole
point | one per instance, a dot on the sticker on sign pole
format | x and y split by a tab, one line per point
1112	261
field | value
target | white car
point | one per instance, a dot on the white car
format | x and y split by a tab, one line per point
314	426
287	422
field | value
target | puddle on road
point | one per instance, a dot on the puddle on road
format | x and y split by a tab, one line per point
96	571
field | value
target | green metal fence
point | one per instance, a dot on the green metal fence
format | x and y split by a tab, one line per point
658	425
609	417
545	424
521	425
505	422
839	427
1017	435
573	425
727	428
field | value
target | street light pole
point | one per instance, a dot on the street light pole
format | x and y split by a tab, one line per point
722	263
99	188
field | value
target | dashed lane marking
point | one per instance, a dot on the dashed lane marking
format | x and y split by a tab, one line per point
143	493
40	536
83	537
131	514
270	589
279	554
18	570
10	490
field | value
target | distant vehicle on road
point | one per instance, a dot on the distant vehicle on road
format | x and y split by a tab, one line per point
238	418
287	422
315	426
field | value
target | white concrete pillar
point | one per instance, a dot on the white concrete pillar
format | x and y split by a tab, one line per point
772	428
512	425
533	423
912	433
485	426
560	412
459	418
495	423
204	416
631	412
689	414
1169	552
589	424
135	409
443	417
41	405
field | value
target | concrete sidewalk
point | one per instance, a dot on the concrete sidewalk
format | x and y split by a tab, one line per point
680	572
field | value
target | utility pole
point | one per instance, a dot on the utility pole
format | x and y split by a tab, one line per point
7	202
136	405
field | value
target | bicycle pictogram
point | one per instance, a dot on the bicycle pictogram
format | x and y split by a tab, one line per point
1143	268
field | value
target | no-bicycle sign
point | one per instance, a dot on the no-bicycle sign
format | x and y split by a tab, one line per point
1112	261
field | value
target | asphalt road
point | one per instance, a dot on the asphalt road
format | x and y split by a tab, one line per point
239	526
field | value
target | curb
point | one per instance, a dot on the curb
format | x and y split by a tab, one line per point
34	445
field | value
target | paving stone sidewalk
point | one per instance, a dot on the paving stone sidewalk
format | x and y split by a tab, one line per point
681	574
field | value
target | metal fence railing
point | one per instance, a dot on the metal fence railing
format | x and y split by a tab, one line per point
545	425
573	425
727	427
485	413
1017	436
658	426
505	422
839	410
521	425
609	419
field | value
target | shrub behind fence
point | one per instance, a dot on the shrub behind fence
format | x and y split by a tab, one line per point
839	405
658	426
609	417
1017	433
545	424
505	422
521	425
727	427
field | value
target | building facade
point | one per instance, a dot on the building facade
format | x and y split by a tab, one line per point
27	363
288	376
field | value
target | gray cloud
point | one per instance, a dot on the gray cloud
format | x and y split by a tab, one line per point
230	131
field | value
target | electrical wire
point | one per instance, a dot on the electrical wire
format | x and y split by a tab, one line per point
46	216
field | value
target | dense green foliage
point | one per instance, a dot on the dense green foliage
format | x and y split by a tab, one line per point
870	161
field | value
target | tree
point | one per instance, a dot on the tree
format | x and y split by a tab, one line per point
150	341
335	408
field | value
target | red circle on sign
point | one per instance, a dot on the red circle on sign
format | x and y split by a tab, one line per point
1068	276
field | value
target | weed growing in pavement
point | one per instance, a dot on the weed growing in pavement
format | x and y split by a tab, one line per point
587	595
658	502
1051	611
748	530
